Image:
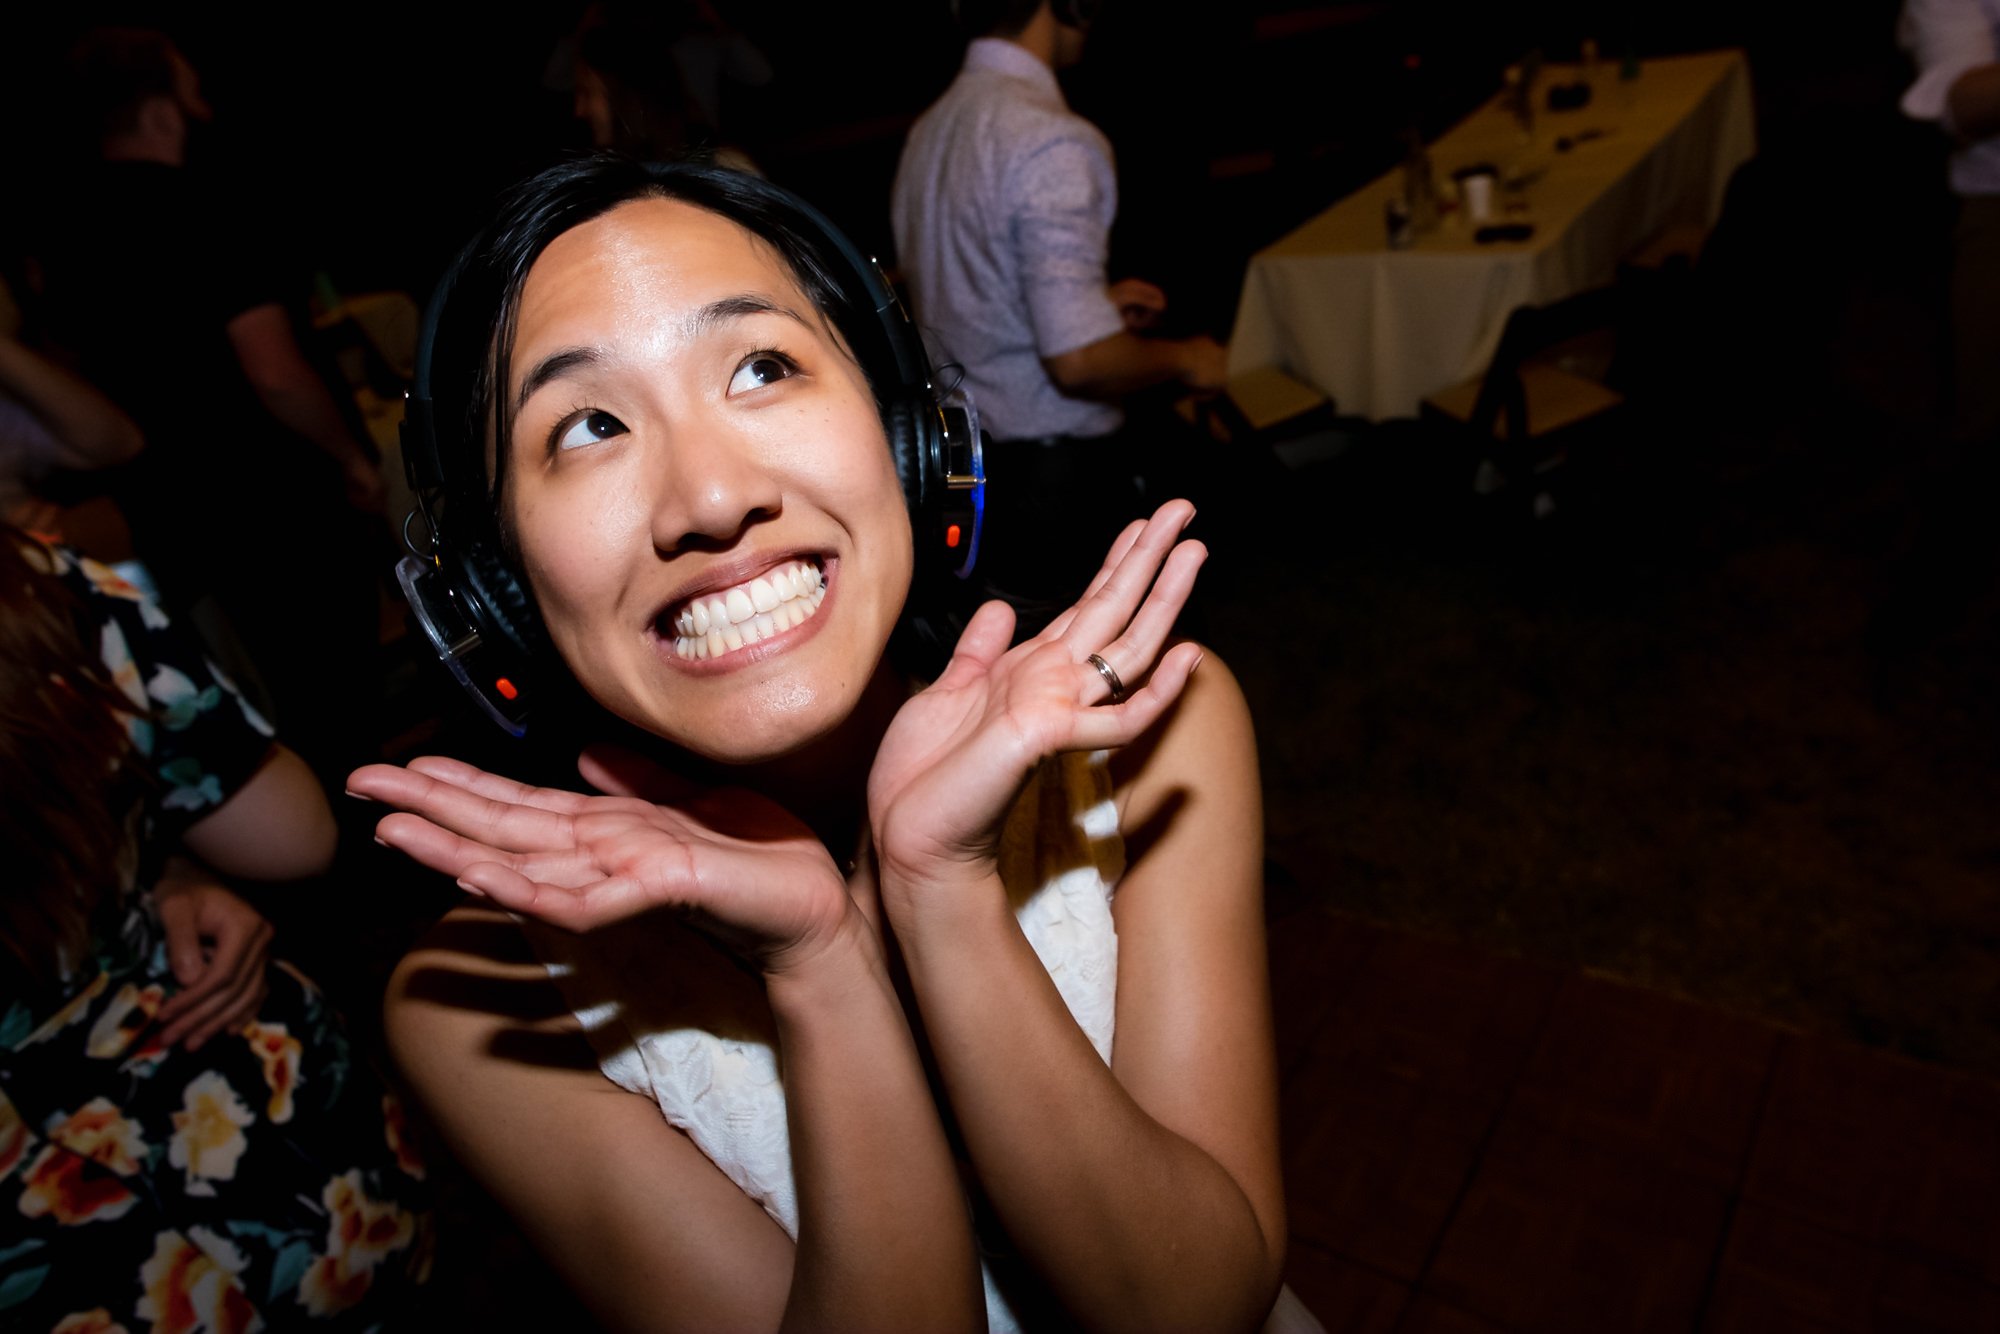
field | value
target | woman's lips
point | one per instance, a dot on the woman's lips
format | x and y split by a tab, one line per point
716	624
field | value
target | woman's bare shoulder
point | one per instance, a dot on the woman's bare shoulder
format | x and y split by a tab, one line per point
1200	762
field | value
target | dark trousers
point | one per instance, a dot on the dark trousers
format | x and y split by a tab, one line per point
1975	322
1055	505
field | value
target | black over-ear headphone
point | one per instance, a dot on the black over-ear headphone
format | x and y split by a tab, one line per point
464	590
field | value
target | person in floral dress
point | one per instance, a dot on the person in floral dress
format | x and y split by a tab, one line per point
187	1140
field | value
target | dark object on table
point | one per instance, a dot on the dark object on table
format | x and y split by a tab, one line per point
1568	141
1396	219
1569	96
1504	231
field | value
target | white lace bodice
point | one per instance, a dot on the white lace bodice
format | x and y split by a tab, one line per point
644	990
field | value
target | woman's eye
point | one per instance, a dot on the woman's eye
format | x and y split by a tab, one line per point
588	430
760	369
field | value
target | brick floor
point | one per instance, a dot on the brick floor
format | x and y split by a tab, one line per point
1475	1143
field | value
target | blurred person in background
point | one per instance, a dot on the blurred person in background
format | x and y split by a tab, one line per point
1002	207
634	100
1956	47
52	423
716	62
166	288
186	1138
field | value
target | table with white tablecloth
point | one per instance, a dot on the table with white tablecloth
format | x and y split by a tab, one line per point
1379	329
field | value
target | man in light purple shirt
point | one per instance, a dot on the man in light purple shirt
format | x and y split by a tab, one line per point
1956	47
1002	208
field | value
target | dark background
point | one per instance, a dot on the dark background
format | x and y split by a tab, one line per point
375	133
1729	729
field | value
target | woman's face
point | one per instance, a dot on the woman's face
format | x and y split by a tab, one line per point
699	484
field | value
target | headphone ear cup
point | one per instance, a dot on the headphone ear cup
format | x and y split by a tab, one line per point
470	608
910	446
498	596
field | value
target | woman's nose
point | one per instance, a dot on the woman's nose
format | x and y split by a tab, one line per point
715	485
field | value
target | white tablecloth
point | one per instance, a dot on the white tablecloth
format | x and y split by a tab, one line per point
1380	329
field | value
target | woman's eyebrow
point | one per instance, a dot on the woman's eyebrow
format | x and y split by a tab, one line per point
729	308
553	367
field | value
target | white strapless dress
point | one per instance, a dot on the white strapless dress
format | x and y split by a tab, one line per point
718	1083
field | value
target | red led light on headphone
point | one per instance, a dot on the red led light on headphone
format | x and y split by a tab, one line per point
507	689
951	536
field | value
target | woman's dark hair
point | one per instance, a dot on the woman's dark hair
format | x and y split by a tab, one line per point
474	340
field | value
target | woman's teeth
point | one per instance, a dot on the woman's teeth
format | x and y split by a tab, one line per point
719	623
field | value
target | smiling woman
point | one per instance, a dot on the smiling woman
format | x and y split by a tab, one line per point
853	936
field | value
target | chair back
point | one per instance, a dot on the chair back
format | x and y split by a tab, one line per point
1500	411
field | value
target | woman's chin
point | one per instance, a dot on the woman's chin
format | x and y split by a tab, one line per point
787	720
780	719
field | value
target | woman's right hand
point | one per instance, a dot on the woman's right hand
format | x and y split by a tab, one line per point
737	864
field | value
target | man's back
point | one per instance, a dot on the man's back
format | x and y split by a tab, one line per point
1002	211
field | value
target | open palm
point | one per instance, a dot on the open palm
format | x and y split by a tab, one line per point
735	863
956	755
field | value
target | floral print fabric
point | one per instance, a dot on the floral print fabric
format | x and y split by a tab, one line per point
261	1182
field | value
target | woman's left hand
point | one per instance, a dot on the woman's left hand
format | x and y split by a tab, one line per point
957	754
217	946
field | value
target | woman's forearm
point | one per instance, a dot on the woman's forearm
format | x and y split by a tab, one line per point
1131	1224
885	1237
